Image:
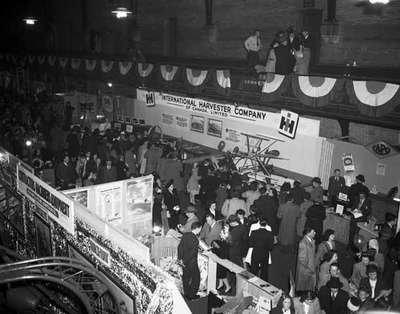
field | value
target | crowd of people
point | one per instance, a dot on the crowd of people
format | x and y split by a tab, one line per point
217	208
289	52
245	221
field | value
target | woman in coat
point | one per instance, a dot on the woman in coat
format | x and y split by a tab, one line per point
171	202
324	275
308	300
327	244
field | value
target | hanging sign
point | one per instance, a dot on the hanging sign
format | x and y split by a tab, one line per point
288	124
57	205
348	162
382	149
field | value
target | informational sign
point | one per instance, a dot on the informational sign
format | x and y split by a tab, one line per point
288	124
102	255
348	162
150	99
380	169
57	205
80	196
108	203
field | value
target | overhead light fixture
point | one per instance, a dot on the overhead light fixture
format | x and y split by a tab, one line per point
109	84
121	13
30	21
379	1
28	143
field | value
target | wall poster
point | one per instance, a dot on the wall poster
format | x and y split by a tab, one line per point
214	127
108	203
197	123
139	196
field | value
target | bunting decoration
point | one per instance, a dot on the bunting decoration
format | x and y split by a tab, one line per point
168	72
106	66
374	99
314	91
90	64
145	69
223	82
22	61
124	67
31	59
274	86
75	63
63	62
195	80
41	59
51	60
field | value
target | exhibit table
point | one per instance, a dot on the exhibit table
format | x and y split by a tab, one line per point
341	225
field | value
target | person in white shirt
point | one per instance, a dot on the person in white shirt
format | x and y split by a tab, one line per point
251	194
253	46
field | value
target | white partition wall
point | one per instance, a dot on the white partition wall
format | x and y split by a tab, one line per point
209	123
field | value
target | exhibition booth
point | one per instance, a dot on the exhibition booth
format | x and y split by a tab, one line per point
51	223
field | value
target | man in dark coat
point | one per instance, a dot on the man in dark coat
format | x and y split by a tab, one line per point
239	236
336	186
65	174
188	250
266	207
376	286
332	298
316	215
262	242
356	189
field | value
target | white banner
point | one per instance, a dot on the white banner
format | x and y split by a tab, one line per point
54	203
306	126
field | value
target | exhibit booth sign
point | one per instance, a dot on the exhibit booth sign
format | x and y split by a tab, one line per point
208	123
49	202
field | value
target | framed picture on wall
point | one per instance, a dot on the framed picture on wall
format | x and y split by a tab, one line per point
43	238
197	123
214	127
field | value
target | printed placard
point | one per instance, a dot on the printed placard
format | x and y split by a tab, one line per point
288	123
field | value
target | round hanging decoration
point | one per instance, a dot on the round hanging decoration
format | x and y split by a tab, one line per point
106	66
223	82
124	67
145	69
272	83
90	64
51	60
223	78
373	98
31	59
196	77
63	62
314	91
168	72
41	59
274	86
75	63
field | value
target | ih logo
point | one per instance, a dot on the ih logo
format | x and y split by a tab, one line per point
288	124
150	99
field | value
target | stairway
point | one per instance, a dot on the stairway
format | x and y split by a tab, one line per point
57	278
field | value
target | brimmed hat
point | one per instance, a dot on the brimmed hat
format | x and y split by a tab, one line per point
334	283
317	180
353	304
360	177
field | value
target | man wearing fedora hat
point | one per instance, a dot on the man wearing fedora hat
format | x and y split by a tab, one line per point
356	189
332	298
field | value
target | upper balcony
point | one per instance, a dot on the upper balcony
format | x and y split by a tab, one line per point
358	94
